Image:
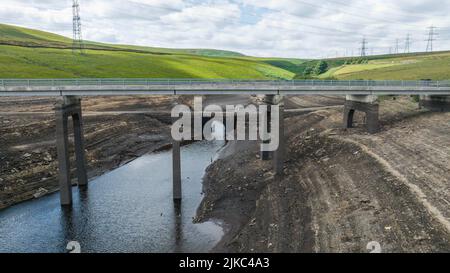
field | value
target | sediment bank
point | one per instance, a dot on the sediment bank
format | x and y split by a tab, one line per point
28	149
336	196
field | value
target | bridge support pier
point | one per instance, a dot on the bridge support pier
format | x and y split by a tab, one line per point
279	154
176	170
435	103
268	99
71	106
364	103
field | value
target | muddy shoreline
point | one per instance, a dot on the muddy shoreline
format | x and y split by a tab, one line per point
117	130
27	140
341	189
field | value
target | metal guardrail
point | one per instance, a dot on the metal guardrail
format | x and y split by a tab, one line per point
173	82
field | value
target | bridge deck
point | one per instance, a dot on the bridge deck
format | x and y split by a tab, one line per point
117	87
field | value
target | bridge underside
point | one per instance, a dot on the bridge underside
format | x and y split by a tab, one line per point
435	103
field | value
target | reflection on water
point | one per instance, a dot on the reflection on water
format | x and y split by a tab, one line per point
127	210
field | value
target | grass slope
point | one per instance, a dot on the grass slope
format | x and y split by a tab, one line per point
292	65
26	53
23	62
14	35
415	66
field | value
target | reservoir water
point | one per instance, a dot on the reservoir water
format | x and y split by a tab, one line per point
129	209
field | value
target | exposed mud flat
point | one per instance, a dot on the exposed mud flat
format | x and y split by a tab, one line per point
341	189
28	166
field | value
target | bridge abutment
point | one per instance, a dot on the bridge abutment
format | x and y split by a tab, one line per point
435	103
364	103
70	107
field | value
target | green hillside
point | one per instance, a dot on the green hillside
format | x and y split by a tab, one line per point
22	36
14	35
289	64
414	66
26	53
434	66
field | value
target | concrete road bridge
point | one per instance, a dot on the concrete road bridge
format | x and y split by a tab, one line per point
361	95
109	87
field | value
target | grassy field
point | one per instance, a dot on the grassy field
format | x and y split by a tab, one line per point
13	35
23	62
26	53
416	66
292	65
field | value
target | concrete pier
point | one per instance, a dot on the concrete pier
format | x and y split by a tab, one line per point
364	103
176	170
268	100
279	154
70	107
435	103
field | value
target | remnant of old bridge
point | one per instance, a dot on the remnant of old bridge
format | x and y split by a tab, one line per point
360	96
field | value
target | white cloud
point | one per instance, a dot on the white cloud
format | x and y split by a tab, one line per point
288	28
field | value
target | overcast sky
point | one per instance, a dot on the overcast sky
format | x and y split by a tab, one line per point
283	28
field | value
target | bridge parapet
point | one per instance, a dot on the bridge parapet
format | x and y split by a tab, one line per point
114	87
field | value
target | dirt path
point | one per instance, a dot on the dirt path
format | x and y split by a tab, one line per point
341	189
